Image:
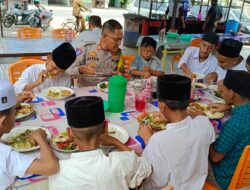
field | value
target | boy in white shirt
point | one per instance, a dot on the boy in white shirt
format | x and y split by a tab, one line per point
229	58
90	168
200	60
179	154
40	76
13	163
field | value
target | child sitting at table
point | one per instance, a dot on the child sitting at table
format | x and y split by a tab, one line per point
90	168
146	65
178	154
13	163
40	76
226	151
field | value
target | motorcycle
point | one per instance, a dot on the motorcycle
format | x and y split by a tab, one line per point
41	19
34	18
13	16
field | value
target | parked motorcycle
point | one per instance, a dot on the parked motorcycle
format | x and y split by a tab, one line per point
17	17
41	19
34	18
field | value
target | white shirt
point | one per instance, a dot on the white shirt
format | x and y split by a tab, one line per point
93	35
179	154
191	58
222	72
31	75
93	170
12	164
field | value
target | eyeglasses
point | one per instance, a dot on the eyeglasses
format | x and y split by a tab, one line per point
115	40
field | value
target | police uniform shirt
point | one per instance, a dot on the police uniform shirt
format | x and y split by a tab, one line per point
103	61
12	164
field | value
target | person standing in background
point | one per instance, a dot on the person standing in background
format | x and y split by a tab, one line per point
179	21
214	15
78	6
185	4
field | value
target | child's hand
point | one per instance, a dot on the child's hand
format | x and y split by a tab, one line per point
39	135
146	74
145	132
146	69
42	76
25	96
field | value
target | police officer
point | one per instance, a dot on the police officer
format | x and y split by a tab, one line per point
96	62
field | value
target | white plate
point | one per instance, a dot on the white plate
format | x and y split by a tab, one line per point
213	87
105	89
25	115
18	130
54	145
200	85
57	89
120	133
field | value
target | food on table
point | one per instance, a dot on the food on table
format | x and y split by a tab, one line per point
24	109
22	140
210	113
218	94
103	85
152	121
63	142
58	93
200	85
50	75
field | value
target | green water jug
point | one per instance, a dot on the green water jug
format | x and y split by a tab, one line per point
116	93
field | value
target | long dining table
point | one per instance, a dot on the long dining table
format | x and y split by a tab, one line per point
51	115
14	47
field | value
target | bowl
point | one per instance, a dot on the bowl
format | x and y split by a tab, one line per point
186	37
172	35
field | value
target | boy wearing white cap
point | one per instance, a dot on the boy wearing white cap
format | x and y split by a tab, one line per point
90	168
40	76
13	163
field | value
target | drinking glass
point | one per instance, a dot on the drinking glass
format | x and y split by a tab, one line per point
140	102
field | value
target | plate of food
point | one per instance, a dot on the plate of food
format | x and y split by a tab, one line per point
149	119
63	143
57	93
20	139
103	86
209	112
198	76
213	87
218	94
118	132
200	85
24	110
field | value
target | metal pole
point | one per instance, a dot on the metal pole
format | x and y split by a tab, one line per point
174	14
243	4
1	20
229	9
150	9
139	8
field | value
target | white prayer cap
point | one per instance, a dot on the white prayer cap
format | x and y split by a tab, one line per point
7	95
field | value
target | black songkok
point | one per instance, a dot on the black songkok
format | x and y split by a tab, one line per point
238	81
173	87
211	37
84	111
230	48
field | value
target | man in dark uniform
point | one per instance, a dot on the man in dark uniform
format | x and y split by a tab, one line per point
214	15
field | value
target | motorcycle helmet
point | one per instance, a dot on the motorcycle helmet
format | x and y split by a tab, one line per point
36	2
